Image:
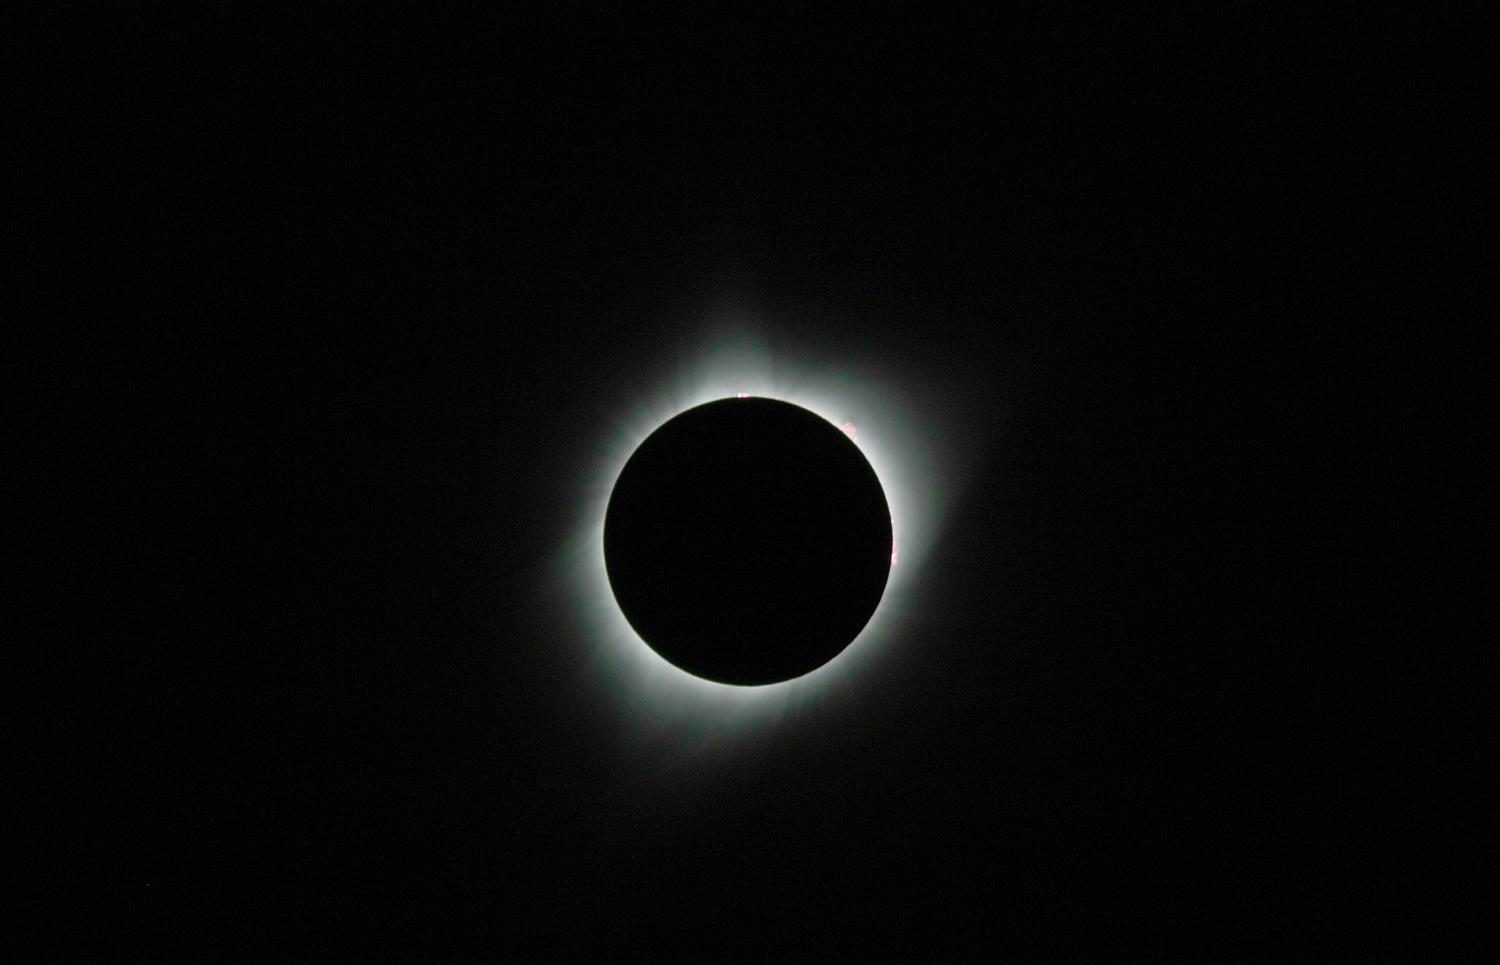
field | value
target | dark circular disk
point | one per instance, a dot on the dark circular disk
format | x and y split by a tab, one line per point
747	541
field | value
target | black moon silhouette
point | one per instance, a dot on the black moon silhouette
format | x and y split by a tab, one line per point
747	541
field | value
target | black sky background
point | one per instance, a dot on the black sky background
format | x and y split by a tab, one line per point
338	297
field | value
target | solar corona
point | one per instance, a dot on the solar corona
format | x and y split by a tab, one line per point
637	649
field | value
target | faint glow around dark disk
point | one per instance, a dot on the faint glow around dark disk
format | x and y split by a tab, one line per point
893	438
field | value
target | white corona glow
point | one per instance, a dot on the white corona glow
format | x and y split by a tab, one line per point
653	693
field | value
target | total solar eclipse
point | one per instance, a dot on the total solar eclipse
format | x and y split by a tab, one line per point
747	541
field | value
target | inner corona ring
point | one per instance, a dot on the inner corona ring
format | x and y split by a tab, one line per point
747	541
